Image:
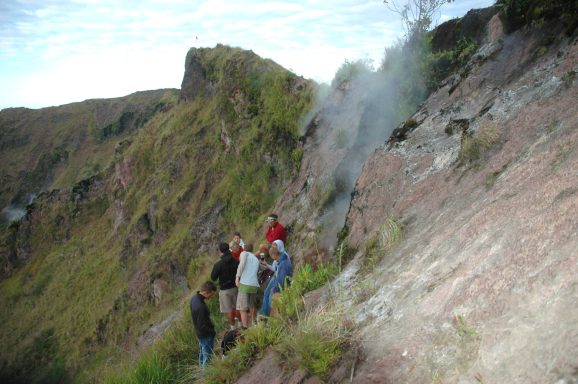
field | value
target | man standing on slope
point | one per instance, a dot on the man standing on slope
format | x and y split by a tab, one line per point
225	271
275	231
204	328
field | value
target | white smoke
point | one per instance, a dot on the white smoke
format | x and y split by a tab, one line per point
381	105
10	214
14	213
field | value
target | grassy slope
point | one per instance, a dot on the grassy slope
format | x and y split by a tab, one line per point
85	295
55	147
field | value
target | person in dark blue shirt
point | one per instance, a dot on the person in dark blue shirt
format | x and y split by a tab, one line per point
204	328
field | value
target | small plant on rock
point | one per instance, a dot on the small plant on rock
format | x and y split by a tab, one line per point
474	145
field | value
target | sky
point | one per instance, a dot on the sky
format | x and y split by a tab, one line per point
55	52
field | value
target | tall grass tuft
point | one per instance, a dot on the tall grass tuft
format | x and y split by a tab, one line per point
153	369
473	146
316	341
390	232
290	302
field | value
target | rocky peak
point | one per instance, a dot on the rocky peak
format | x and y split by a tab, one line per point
195	78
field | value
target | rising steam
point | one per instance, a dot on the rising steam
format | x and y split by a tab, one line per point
384	98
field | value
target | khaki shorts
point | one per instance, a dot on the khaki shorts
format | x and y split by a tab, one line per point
227	299
246	301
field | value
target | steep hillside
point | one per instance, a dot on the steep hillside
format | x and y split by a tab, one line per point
482	287
55	147
93	266
462	227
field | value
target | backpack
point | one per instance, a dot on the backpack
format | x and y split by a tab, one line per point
265	275
230	340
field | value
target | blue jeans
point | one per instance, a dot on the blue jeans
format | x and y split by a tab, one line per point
205	350
267	296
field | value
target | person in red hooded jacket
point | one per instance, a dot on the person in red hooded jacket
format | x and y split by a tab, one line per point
275	231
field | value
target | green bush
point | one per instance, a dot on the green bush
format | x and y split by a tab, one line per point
517	13
437	66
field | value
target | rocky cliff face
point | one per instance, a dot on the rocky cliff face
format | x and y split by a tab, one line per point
482	182
483	286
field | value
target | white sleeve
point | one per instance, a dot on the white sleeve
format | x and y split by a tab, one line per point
242	260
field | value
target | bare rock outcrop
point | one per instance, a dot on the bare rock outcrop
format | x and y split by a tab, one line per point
483	286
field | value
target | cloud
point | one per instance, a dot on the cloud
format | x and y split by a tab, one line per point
40	40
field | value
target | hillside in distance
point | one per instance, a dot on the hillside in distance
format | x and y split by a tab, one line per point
53	148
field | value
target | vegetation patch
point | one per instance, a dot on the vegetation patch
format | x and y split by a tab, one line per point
316	342
474	145
364	290
437	66
463	329
493	177
535	13
390	233
289	304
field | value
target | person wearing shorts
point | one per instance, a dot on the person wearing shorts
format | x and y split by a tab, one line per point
224	271
247	280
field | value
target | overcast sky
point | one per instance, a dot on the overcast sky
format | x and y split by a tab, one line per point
54	52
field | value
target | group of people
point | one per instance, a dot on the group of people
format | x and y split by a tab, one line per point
245	280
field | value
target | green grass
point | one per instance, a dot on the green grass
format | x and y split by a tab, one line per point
94	259
306	279
239	359
316	342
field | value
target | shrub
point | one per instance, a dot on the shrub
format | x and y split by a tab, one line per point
517	13
437	66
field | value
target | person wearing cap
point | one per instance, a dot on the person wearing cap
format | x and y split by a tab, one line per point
275	231
225	271
204	328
